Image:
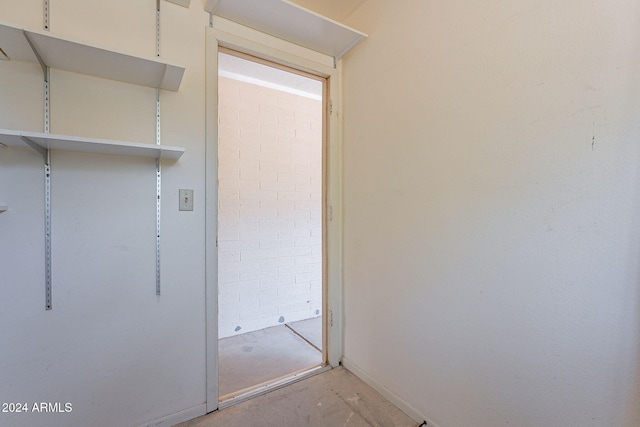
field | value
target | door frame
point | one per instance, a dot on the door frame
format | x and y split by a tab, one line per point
227	34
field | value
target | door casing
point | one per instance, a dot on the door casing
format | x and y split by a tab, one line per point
227	34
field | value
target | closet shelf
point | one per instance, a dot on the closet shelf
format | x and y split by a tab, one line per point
15	138
42	47
290	22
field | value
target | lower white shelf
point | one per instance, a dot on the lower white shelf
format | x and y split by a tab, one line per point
89	145
3	208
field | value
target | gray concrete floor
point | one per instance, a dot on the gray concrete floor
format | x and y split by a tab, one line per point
310	329
250	359
333	398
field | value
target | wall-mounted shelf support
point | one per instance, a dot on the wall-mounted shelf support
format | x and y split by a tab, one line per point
47	189
46	156
45	13
45	69
158	162
47	230
47	50
42	151
158	194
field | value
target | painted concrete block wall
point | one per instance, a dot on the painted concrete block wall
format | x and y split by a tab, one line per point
270	209
121	355
492	200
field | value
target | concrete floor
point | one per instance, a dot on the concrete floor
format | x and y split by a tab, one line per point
333	398
310	330
250	359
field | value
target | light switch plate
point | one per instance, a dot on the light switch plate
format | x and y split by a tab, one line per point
186	199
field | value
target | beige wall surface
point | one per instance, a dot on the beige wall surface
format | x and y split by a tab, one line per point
270	207
492	235
491	227
119	354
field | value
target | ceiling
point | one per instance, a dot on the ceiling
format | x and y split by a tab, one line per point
237	68
338	10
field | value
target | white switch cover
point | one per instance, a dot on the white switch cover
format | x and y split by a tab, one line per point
186	200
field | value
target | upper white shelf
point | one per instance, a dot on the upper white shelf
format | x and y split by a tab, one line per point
23	44
89	145
290	22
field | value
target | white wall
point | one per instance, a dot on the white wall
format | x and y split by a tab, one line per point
492	199
270	207
118	353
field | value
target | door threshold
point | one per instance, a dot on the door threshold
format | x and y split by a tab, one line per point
268	386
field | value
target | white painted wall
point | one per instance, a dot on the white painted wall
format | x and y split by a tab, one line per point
492	199
270	207
118	353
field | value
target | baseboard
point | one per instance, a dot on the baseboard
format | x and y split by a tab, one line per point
178	417
391	396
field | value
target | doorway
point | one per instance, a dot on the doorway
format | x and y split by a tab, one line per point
270	224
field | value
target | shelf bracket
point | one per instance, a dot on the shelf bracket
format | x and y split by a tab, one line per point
43	65
42	151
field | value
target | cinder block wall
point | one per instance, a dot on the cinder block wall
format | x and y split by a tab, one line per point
270	207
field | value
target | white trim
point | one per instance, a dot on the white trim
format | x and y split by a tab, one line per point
403	405
238	37
333	197
261	45
178	417
211	219
258	82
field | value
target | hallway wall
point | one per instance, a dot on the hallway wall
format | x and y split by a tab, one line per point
492	192
118	353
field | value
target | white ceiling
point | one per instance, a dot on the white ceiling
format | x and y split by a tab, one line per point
338	10
252	72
